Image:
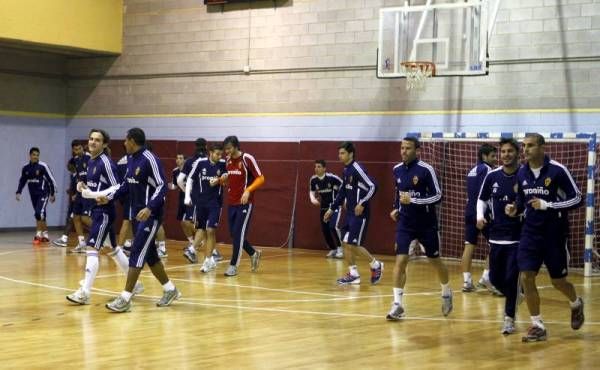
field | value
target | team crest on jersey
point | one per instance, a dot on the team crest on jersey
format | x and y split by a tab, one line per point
94	171
137	171
317	187
349	179
218	173
547	182
329	186
84	165
415	180
516	188
204	171
37	172
240	165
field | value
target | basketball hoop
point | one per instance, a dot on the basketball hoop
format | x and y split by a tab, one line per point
417	73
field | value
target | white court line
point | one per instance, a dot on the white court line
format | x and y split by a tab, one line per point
335	298
262	288
188	265
287	311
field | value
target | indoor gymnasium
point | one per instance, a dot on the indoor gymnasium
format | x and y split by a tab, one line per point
299	184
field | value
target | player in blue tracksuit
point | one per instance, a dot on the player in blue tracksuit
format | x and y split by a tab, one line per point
546	191
417	193
81	206
323	189
187	225
497	191
357	190
146	186
190	210
487	160
42	187
101	176
206	173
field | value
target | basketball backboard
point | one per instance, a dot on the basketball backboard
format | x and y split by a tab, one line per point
451	34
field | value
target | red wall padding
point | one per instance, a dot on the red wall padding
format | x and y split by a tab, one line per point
283	164
378	159
271	217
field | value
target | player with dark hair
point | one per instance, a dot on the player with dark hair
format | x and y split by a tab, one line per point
145	183
497	191
101	178
545	192
42	187
357	190
207	172
323	188
487	158
190	211
243	178
187	226
81	207
417	193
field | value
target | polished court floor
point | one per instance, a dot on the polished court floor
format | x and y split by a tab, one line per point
288	315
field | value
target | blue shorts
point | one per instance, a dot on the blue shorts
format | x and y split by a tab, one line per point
208	217
102	226
356	228
472	232
549	248
82	206
39	203
429	239
143	249
335	223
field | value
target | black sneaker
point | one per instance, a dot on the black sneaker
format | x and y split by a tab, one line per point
534	334
577	317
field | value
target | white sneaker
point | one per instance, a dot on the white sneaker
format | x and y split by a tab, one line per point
162	253
339	254
331	253
487	284
509	326
79	297
208	265
396	312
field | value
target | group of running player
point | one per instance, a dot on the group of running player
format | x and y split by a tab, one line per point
141	186
521	209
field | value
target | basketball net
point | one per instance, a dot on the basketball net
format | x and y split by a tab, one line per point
417	74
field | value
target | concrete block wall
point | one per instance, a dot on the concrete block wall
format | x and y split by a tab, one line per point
32	82
175	42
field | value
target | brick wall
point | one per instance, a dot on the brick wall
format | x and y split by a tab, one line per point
32	81
184	38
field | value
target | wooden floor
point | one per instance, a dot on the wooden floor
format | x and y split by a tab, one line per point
289	315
